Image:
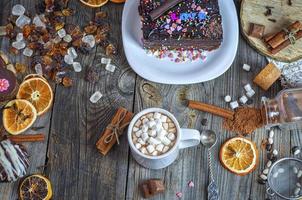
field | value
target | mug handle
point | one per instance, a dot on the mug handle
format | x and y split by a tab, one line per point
189	138
269	192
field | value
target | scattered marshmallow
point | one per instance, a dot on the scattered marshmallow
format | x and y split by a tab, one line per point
144	150
141	141
250	93
228	98
135	129
110	67
154	141
234	104
165	125
191	184
246	67
248	87
105	61
165	149
243	99
152	133
151	123
155	153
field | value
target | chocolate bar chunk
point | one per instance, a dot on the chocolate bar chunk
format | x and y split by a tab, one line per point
152	187
256	30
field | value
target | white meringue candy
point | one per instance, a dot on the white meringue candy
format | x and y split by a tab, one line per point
150	148
157	115
171	136
159	147
145	136
138	133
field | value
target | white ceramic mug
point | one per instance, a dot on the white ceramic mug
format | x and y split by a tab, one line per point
185	138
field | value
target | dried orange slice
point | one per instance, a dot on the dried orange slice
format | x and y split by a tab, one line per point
118	1
29	76
35	187
18	116
94	3
239	155
38	92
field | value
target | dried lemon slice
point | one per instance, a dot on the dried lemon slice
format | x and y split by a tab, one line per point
18	116
239	155
35	187
38	92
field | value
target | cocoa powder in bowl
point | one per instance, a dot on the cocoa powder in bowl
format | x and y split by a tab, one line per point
246	121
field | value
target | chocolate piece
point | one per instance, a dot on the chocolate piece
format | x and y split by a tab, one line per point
13	161
167	5
190	25
256	30
152	187
8	84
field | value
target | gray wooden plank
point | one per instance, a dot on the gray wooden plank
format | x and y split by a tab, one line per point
75	167
37	151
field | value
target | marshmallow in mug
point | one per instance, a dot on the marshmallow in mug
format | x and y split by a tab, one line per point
154	134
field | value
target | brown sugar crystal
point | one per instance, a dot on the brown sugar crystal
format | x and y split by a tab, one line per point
246	120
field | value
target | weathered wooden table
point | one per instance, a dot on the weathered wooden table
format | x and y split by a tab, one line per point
69	157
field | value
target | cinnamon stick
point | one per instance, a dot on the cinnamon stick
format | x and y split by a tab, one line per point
120	120
285	44
215	110
267	37
160	10
280	37
26	138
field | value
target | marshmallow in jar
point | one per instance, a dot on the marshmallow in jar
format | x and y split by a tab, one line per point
154	134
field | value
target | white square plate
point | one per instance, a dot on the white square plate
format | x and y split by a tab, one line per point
169	72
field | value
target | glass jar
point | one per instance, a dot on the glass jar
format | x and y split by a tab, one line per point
285	110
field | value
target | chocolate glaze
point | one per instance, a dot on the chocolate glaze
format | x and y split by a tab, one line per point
204	34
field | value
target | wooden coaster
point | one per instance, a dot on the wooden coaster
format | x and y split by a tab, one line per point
252	11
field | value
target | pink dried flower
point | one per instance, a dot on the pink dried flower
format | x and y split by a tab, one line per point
179	194
4	84
191	184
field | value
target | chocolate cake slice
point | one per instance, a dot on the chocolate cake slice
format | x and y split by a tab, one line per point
189	25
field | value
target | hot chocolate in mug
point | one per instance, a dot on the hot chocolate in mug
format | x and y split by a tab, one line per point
185	138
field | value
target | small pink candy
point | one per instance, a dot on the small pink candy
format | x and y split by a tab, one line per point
198	8
170	32
179	194
178	28
174	25
172	28
167	26
184	30
168	20
193	5
178	21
